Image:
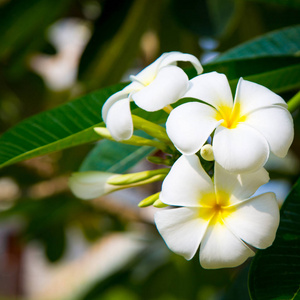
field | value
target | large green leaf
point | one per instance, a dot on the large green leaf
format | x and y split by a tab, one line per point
275	272
281	42
280	80
68	125
242	67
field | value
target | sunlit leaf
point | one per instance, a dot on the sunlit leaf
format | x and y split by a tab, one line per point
275	272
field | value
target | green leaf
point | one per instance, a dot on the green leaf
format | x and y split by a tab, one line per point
279	81
114	157
275	272
242	67
281	42
65	126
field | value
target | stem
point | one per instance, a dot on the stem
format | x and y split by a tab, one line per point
132	178
134	140
168	109
294	102
151	128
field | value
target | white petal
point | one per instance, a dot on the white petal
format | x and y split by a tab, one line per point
91	184
255	220
238	186
189	126
181	229
111	100
250	96
173	57
240	149
147	75
212	88
169	85
186	183
220	248
276	125
119	120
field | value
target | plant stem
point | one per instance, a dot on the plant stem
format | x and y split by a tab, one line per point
294	102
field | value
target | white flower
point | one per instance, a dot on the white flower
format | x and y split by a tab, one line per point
155	87
247	129
219	216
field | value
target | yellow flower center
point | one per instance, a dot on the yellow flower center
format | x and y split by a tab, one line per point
215	207
231	116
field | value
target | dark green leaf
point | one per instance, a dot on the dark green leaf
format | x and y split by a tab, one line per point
275	272
279	81
114	157
280	42
240	67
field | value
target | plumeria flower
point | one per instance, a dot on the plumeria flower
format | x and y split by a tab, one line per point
246	129
218	215
158	85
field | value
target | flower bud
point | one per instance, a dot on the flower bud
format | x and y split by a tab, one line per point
207	152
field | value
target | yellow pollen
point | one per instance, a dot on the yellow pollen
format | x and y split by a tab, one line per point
231	116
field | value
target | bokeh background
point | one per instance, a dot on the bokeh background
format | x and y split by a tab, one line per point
54	246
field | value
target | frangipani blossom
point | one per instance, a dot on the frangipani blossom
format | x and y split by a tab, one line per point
246	130
219	216
158	85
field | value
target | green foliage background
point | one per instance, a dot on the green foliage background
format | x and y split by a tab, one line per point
258	40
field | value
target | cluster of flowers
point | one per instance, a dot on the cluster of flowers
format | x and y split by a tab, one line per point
215	213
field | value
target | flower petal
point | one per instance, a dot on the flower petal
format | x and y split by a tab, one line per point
181	229
212	88
276	125
186	183
240	149
189	126
250	96
169	85
238	186
220	248
172	57
91	184
119	120
111	100
256	220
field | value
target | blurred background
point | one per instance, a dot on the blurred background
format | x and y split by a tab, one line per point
54	246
